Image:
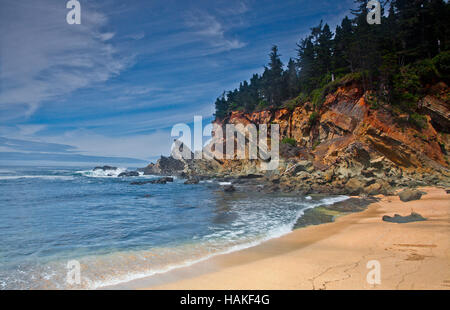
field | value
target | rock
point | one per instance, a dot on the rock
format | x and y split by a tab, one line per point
165	166
193	180
410	195
251	176
164	180
354	186
414	217
303	175
105	168
148	196
328	175
377	163
129	174
448	191
158	182
373	189
140	182
438	110
303	165
229	188
290	151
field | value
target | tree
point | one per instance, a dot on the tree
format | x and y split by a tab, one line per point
291	79
273	78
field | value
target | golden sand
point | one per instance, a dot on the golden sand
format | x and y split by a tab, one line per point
336	255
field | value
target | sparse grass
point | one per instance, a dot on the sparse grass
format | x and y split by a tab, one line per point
290	141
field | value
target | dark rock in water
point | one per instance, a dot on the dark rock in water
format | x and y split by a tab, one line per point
251	176
313	217
352	204
327	214
164	180
410	195
140	182
105	168
148	196
193	180
414	217
229	188
129	174
167	179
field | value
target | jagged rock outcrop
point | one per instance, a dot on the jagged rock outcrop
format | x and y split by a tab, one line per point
347	128
165	166
347	146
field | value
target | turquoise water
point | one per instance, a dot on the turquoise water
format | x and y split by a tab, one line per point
118	231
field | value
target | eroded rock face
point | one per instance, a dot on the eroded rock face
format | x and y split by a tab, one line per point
346	148
438	110
347	129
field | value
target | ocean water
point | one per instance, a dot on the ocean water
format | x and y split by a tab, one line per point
119	232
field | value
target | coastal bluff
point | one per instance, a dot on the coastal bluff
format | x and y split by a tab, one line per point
350	145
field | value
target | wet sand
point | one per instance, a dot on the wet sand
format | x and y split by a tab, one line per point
335	255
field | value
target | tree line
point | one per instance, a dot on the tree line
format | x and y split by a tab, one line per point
397	60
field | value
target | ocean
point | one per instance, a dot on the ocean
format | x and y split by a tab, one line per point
120	232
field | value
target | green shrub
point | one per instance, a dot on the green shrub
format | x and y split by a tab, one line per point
426	70
317	97
290	141
262	105
315	144
407	88
442	63
418	120
291	104
313	118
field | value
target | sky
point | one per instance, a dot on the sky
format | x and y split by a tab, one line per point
111	88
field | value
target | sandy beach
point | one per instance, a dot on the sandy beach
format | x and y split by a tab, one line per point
335	255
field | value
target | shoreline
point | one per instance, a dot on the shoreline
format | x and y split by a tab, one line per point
334	255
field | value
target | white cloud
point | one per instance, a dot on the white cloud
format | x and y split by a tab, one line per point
143	146
213	31
43	58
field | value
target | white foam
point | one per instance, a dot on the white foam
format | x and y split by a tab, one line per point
224	183
272	234
102	173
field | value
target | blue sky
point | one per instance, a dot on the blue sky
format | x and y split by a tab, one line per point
116	84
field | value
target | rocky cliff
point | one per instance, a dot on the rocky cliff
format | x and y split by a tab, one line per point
351	144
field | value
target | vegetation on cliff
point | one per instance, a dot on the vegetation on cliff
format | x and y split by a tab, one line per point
397	61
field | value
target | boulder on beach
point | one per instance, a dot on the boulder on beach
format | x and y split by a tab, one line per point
410	195
414	217
354	186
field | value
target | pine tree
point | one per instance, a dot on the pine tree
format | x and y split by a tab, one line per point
273	78
291	80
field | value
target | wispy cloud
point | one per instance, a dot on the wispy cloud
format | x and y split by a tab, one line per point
43	58
209	28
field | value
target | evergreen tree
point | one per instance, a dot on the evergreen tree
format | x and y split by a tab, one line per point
273	78
291	80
